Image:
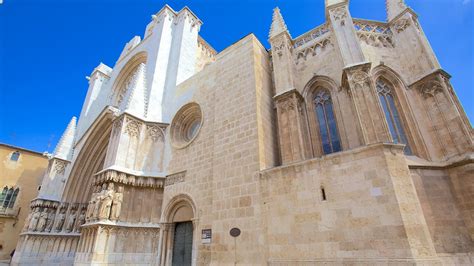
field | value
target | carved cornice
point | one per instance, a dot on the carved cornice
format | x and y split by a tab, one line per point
44	203
128	179
175	178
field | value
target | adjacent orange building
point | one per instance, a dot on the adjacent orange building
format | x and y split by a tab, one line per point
21	173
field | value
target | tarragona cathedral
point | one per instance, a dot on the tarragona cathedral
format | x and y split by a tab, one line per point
344	146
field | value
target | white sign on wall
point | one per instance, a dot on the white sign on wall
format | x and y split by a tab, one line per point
206	236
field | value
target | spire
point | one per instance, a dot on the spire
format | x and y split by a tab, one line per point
64	148
278	24
394	8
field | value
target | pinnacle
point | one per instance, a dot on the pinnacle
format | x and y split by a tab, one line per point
278	24
64	148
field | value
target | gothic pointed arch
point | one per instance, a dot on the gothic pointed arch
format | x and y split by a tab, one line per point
391	87
180	208
324	116
90	160
125	77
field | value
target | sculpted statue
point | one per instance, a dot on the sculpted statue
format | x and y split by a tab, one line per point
71	219
80	221
34	219
98	201
117	204
106	203
50	221
61	218
90	208
43	217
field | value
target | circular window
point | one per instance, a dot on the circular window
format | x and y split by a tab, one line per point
185	125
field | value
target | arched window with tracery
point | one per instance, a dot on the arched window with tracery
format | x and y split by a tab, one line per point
8	197
385	93
326	120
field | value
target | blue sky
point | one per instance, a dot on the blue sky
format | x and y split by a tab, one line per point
48	47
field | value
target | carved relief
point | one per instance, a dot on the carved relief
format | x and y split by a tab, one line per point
106	202
359	78
61	218
34	219
128	179
175	178
280	45
133	127
81	220
117	126
155	133
430	89
117	204
59	167
286	106
71	220
43	217
339	13
50	222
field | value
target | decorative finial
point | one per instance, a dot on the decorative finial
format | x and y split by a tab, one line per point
278	24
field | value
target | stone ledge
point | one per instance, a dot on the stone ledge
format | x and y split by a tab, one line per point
128	179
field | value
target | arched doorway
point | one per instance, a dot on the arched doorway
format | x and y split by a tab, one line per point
178	230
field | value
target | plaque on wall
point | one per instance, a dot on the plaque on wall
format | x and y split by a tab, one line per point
206	236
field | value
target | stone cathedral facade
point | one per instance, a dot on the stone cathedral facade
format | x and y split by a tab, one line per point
345	145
